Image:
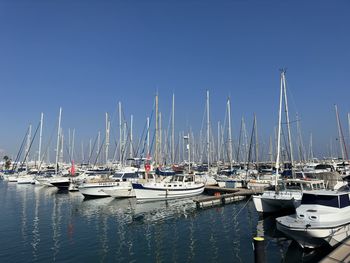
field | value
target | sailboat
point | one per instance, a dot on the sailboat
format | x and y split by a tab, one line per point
286	194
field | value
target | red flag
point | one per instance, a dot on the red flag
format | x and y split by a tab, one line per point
72	169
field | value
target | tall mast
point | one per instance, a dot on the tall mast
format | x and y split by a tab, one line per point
69	144
108	124
148	137
58	139
120	132
29	135
90	148
287	117
61	146
82	152
131	138
157	142
279	132
256	142
311	152
301	144
73	138
271	150
229	132
98	145
339	133
208	132
160	150
173	131
219	136
40	136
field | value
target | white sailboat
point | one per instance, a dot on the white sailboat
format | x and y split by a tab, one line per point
282	198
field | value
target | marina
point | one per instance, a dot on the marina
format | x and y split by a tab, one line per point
174	131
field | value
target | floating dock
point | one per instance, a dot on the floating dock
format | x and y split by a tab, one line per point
223	196
340	254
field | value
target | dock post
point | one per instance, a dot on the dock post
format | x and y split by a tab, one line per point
259	249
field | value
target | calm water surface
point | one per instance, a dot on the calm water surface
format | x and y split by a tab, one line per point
41	224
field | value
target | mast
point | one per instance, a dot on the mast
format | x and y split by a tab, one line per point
311	152
229	133
148	137
58	139
73	138
82	152
40	136
279	132
61	146
208	132
301	144
160	146
256	143
287	118
271	150
98	145
29	135
131	139
219	133
341	136
90	149
157	142
120	132
69	144
173	131
108	124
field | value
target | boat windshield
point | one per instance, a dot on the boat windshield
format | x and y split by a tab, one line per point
293	186
326	200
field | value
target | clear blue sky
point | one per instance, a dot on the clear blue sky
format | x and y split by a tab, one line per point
87	55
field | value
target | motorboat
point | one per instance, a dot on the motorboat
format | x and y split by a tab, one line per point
286	195
96	188
61	182
322	218
179	186
123	188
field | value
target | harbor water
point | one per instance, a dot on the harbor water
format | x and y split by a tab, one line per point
41	224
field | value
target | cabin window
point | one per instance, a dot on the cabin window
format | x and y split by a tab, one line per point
327	200
344	200
307	187
293	186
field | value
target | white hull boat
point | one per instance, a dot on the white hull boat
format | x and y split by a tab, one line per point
287	196
60	182
123	190
26	179
322	218
180	186
96	189
12	178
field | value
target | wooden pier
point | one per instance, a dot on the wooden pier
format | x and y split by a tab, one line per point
223	196
340	254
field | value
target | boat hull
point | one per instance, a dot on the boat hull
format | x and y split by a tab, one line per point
96	190
265	204
312	237
146	192
122	192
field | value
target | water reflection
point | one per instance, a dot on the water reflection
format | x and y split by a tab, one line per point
62	226
36	233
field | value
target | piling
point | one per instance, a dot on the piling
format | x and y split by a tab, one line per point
259	249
